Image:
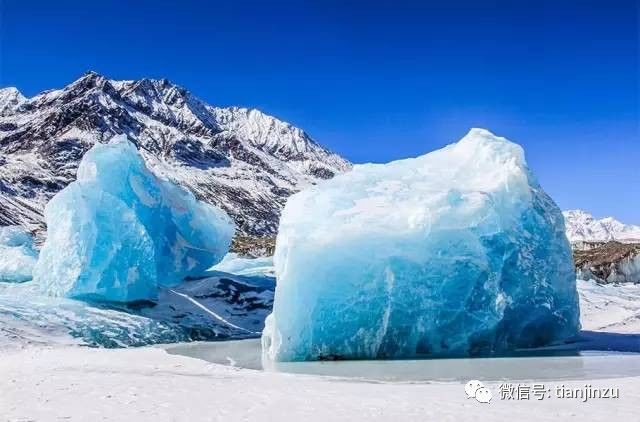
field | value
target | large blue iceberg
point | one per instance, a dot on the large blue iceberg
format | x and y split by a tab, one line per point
118	232
455	253
17	254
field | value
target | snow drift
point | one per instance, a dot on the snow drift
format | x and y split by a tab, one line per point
119	232
457	252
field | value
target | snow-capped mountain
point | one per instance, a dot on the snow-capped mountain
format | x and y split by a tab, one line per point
240	159
582	226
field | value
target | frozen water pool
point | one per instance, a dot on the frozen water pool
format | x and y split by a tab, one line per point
587	359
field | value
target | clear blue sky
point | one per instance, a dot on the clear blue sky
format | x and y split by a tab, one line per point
376	81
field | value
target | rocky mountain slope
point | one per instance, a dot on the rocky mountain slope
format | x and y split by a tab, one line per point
609	262
604	250
240	159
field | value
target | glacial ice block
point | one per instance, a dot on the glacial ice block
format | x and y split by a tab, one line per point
235	264
118	231
458	252
17	255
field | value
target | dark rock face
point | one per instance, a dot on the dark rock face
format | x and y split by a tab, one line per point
239	159
608	262
253	247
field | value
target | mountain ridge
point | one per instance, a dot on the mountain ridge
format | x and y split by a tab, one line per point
240	159
583	227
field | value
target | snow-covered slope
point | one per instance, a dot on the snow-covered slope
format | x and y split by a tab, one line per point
582	226
613	308
240	159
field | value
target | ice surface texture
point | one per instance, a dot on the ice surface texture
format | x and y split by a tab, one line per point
217	307
118	231
17	255
457	252
236	264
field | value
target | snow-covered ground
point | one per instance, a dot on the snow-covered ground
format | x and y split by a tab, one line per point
67	382
147	384
610	307
216	306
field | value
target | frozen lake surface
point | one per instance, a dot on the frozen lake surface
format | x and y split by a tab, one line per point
570	362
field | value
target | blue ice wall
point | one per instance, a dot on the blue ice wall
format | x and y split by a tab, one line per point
457	252
118	231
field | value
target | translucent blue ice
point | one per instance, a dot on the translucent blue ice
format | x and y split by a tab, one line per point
17	255
236	264
457	252
118	231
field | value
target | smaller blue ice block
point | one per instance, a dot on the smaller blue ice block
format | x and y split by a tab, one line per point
17	254
458	252
118	231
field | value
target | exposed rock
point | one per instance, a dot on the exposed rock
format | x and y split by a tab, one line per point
253	247
608	262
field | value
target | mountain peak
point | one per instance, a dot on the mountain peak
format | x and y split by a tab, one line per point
91	74
90	79
582	226
9	90
577	214
240	159
10	100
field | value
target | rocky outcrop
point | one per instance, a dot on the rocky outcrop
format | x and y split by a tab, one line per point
608	262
